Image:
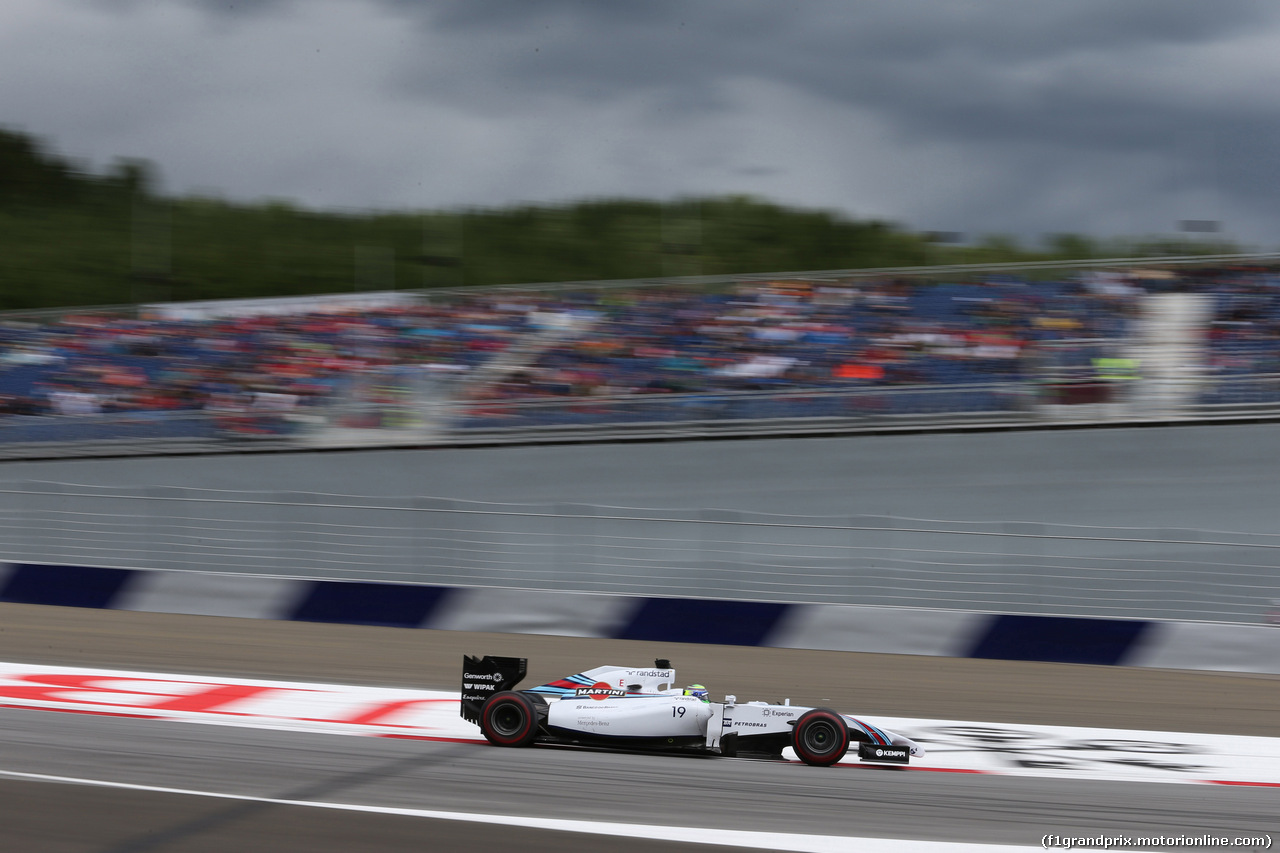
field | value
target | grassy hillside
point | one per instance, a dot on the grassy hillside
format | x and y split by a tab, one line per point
68	237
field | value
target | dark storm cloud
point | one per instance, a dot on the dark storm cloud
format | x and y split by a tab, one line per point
827	46
1029	82
1068	74
982	115
519	15
977	69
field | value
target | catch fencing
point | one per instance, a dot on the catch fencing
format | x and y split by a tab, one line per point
1001	566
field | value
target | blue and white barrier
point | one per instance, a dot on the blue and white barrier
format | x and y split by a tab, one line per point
895	630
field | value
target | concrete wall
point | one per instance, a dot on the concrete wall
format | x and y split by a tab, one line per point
1112	642
1159	478
1207	477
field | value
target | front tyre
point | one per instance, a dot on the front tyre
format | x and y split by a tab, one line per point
820	737
509	719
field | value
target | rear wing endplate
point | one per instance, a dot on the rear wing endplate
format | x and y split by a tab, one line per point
485	677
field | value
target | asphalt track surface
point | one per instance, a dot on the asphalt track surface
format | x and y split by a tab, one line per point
48	816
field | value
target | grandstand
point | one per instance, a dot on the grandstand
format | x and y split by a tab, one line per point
849	349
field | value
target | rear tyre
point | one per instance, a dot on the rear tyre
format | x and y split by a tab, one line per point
820	737
509	719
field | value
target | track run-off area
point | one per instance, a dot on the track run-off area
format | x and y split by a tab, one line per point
128	732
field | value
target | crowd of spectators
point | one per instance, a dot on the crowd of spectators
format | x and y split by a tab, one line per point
1244	334
87	364
797	334
644	340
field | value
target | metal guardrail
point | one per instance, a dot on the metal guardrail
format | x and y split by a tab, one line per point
843	404
1001	566
143	433
568	419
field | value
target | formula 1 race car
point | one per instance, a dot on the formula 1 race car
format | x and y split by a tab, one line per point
626	708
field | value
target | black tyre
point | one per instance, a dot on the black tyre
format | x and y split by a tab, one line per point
820	737
509	719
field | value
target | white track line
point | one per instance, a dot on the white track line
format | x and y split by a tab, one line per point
693	835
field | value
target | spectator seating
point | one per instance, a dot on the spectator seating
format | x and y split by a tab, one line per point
788	336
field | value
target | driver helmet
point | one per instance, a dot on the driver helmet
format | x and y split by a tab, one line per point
697	690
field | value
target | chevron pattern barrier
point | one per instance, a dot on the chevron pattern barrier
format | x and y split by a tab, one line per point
897	630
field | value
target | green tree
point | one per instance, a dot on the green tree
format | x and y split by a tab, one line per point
68	237
1072	246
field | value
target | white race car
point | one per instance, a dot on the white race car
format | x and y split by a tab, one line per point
641	708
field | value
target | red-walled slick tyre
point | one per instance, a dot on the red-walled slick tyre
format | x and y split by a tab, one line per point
509	719
820	737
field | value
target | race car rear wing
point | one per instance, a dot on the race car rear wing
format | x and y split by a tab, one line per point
485	677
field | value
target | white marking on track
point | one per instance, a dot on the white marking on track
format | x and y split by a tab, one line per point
953	746
694	835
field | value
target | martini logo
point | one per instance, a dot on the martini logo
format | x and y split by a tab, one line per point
599	691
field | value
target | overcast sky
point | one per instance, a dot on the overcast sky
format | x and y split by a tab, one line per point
1103	117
